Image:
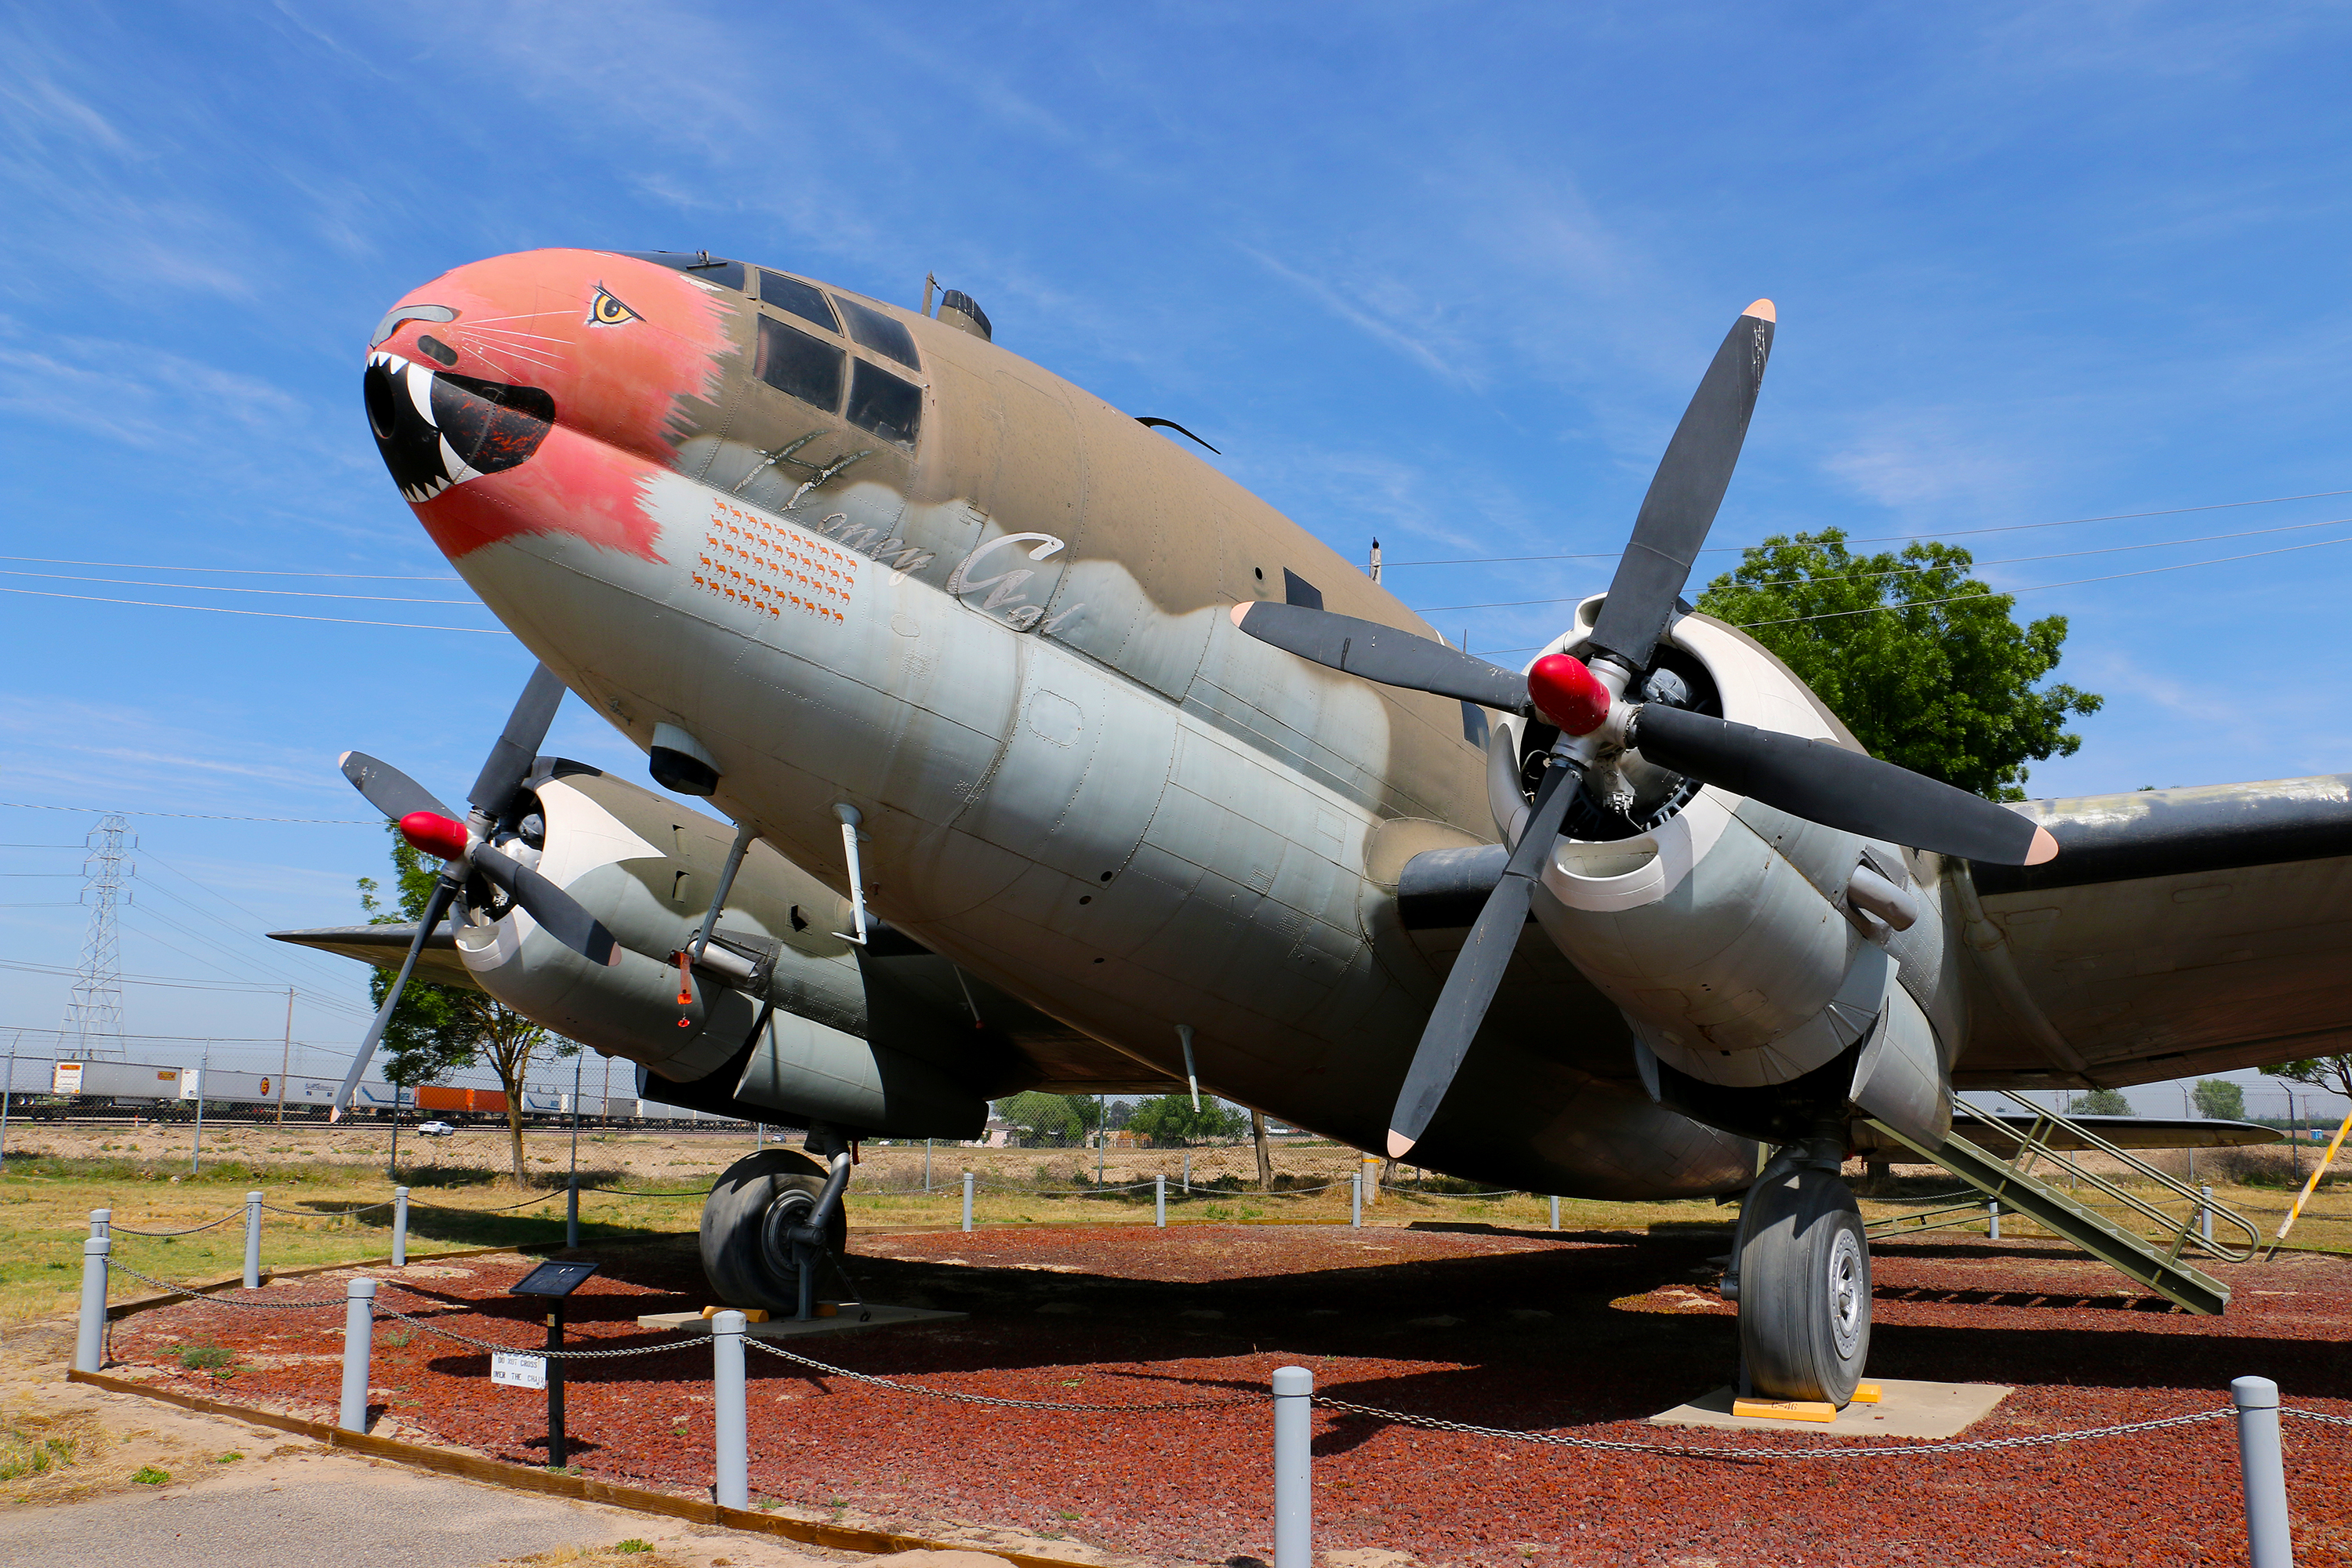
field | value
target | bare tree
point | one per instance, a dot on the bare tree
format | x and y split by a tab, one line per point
1264	1155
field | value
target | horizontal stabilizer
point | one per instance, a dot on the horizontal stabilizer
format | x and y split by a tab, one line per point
386	945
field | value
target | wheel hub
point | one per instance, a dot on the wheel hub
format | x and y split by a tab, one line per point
776	1225
1848	1298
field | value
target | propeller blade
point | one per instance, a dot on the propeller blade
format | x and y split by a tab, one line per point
1838	788
435	905
517	745
550	905
1684	492
1477	971
1384	654
388	789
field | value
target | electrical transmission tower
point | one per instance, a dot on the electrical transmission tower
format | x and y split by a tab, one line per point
94	1013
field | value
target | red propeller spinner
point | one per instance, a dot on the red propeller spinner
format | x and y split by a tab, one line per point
434	834
1564	691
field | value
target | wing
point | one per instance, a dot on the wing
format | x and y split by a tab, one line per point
2177	932
385	946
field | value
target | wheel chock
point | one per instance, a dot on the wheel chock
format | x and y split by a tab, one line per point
750	1314
1784	1409
1867	1394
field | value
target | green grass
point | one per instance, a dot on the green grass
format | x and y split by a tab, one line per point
148	1476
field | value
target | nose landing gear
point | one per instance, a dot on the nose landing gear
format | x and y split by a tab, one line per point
1803	1283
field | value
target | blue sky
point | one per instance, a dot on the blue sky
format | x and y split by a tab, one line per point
1441	273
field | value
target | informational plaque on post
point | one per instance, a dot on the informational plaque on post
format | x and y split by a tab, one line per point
517	1370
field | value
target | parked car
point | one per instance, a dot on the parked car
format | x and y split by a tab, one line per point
434	1129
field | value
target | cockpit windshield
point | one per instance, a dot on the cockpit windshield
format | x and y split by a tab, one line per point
881	334
802	300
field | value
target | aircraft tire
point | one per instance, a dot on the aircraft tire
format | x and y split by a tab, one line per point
751	1206
1804	1290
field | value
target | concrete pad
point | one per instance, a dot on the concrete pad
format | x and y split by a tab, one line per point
878	1317
1904	1410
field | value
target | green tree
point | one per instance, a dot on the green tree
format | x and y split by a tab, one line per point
2333	1074
1925	664
2101	1102
2220	1099
1038	1116
1170	1119
438	1030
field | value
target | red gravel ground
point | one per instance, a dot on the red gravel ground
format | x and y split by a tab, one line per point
1582	1333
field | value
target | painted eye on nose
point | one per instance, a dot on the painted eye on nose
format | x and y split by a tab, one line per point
607	311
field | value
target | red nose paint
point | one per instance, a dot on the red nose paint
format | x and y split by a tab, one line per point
434	834
1567	694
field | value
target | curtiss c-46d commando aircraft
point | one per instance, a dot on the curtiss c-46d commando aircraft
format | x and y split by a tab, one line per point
1057	760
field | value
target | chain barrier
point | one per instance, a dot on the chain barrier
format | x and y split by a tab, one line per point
211	1300
326	1213
625	1193
113	1229
2317	1416
962	1399
1688	1451
529	1350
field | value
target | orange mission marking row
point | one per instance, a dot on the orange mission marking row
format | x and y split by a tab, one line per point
769	551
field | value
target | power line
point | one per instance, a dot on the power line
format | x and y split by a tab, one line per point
185	817
1891	538
233	570
1933	566
265	615
224	588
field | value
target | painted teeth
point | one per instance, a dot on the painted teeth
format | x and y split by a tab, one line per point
416	381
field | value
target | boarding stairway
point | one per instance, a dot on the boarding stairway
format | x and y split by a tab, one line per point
2101	1225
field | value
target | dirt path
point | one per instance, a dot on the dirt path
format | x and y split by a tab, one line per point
271	1501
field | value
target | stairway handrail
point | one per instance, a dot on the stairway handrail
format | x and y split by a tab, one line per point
2185	1230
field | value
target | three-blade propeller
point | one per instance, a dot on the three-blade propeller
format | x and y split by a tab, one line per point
1812	779
463	850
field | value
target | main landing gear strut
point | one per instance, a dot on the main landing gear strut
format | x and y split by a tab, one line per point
772	1221
1800	1274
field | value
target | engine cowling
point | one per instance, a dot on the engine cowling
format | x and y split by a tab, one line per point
779	1021
1755	954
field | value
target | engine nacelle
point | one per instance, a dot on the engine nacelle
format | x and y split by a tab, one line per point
1771	967
780	1021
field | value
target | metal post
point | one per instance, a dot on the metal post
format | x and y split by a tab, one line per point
286	1059
400	1228
1993	1220
359	1339
253	1241
90	1338
6	1091
203	1070
1159	1201
732	1485
579	1060
1356	1197
559	1453
101	1222
1554	1211
967	1200
2205	1213
1293	1473
1188	1172
572	1212
927	1167
2262	1469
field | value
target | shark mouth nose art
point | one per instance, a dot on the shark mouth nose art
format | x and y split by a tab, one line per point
436	429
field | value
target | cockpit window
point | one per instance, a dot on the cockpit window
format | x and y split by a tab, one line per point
802	300
882	403
695	264
791	361
881	334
